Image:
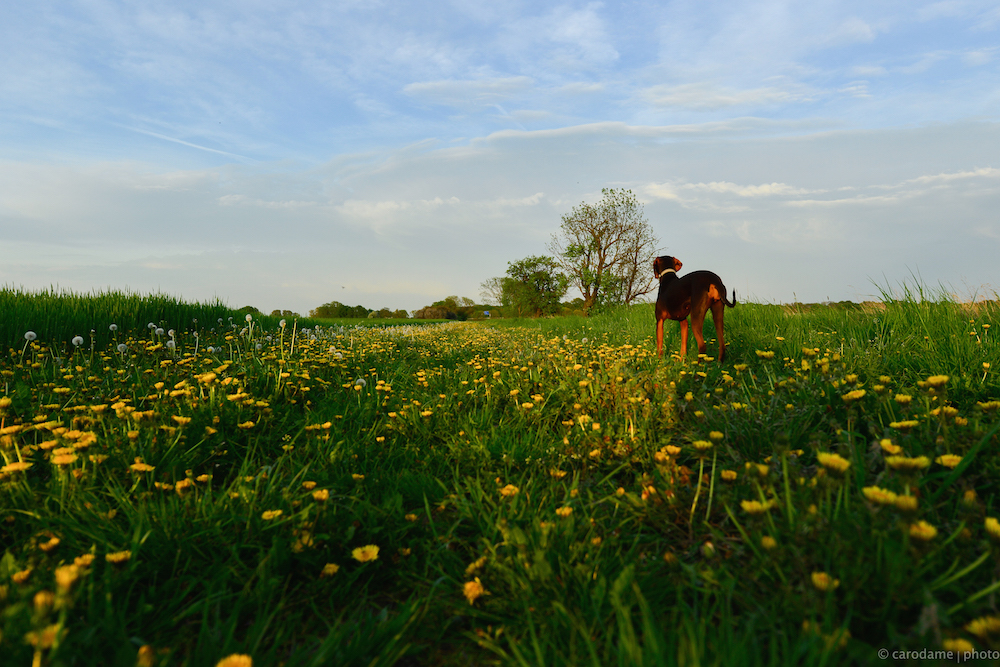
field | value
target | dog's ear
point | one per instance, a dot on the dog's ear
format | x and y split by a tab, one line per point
656	266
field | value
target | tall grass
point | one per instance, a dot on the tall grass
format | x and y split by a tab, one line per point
59	315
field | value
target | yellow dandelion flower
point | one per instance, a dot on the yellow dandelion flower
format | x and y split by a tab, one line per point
235	660
701	445
268	515
509	491
904	425
937	381
246	425
879	496
755	506
716	436
992	527
907	464
329	570
365	553
21	577
66	576
958	645
118	557
984	626
410	517
824	582
181	421
672	450
852	396
146	656
888	447
50	545
557	473
906	503
46	637
308	486
63	459
903	399
321	495
923	531
728	475
17	466
564	511
83	561
833	462
139	466
620	491
768	542
948	460
473	590
356	477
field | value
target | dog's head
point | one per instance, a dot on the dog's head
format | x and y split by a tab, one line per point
665	263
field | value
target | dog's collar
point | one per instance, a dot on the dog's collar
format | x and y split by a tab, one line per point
664	272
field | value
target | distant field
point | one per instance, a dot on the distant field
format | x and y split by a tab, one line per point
517	492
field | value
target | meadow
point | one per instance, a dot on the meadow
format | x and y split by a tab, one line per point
536	492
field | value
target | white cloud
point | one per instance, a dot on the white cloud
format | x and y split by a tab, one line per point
470	93
702	96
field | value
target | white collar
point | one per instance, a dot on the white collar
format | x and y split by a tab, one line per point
665	272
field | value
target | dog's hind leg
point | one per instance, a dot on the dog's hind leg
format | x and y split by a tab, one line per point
684	338
718	311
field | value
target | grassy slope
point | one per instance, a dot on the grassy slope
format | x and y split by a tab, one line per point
625	578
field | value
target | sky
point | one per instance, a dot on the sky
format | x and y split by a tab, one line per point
286	154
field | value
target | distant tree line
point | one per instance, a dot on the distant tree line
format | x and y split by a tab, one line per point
337	310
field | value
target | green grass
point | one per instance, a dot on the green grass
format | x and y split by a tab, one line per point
571	491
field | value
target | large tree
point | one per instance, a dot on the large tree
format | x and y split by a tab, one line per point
607	249
533	286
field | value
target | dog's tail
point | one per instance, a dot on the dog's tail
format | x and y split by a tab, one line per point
733	304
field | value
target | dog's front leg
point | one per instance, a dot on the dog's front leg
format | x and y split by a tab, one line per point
659	337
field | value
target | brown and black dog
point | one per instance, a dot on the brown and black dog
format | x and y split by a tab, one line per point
694	294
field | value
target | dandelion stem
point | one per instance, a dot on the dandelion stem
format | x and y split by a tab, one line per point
711	486
701	471
788	489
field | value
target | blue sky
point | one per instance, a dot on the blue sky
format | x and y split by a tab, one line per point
286	154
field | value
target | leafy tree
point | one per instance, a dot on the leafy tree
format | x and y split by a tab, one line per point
533	286
607	249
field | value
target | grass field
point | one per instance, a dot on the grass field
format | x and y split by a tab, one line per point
539	492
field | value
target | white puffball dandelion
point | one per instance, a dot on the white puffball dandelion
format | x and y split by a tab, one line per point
282	324
159	331
171	344
30	336
122	347
77	341
171	333
259	347
249	317
113	327
150	326
361	382
583	340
